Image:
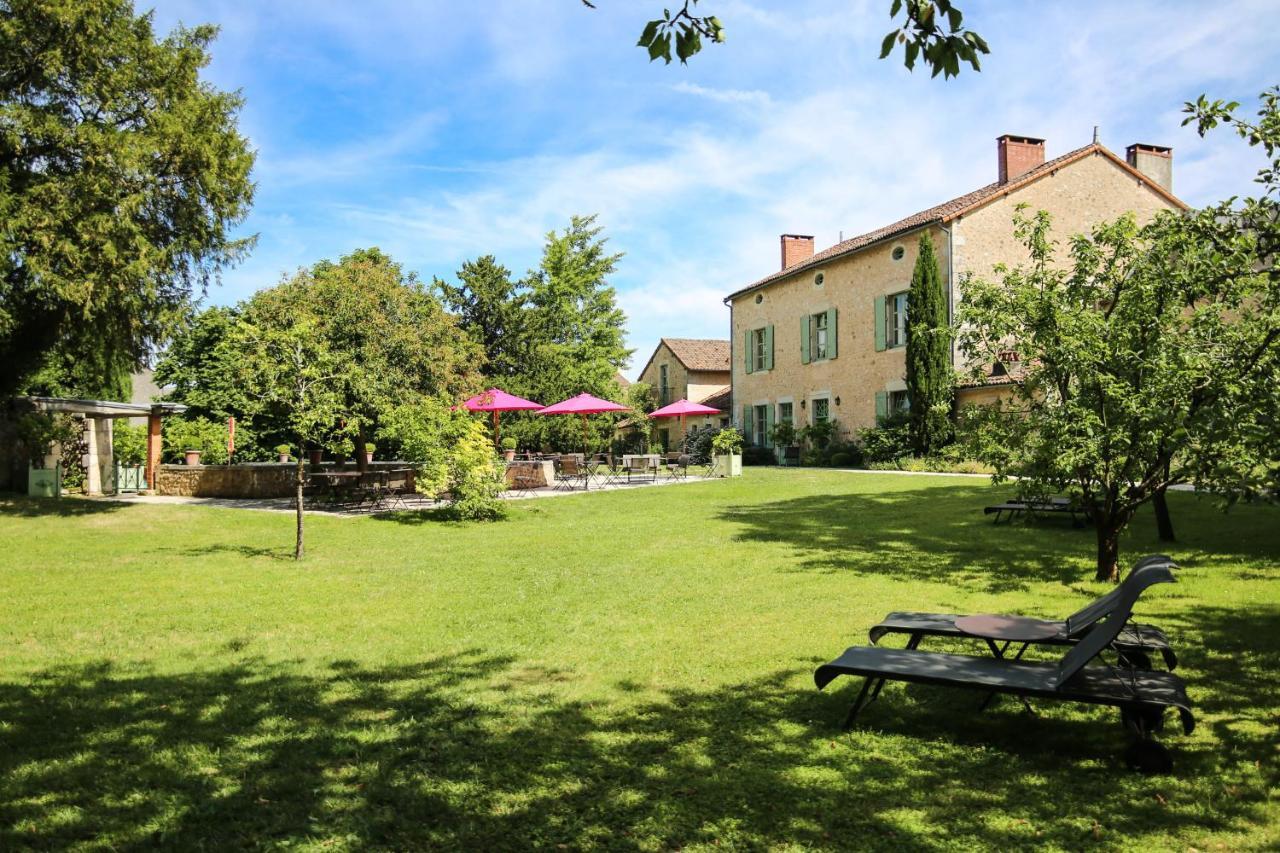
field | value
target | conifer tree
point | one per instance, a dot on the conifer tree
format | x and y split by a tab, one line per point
930	375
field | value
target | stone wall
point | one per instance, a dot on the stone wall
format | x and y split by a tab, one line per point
261	480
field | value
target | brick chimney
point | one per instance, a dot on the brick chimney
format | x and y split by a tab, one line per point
1017	155
1154	161
796	248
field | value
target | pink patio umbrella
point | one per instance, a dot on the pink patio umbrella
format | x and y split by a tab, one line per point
496	400
680	408
583	404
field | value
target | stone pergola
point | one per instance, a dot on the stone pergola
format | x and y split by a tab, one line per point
98	415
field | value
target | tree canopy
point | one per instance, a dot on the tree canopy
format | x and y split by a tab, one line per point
122	177
931	30
931	377
1151	358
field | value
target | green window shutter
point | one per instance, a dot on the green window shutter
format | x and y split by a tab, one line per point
879	323
882	405
750	351
804	339
768	426
746	420
768	347
831	333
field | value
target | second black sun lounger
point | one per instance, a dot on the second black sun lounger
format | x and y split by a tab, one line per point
1136	643
1142	696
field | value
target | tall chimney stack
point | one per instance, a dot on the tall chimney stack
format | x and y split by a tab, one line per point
1154	161
1017	155
796	248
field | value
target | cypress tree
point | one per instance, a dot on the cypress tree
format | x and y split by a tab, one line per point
930	375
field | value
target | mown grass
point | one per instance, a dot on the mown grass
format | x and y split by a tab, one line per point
630	670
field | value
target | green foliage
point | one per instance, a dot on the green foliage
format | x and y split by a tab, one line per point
1149	359
841	459
207	436
38	432
930	374
820	434
728	442
784	434
508	443
200	365
93	374
129	443
122	177
491	309
453	454
931	29
282	449
888	441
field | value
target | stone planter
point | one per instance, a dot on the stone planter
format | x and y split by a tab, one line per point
282	457
729	466
509	455
44	482
193	457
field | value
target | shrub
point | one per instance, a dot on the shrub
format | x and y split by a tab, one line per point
889	440
475	481
129	443
728	442
755	455
282	449
39	432
819	435
509	443
841	459
183	434
698	443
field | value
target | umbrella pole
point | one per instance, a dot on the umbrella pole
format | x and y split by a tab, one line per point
497	433
584	433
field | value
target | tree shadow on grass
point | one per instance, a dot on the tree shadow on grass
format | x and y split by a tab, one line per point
21	506
479	751
938	533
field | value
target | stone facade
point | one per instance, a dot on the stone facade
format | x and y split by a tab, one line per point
857	381
682	383
257	480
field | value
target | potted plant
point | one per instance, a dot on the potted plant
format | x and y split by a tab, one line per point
282	452
316	455
368	453
727	447
509	449
784	439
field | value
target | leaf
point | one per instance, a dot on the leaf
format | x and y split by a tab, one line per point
886	46
650	32
895	8
954	17
660	47
913	49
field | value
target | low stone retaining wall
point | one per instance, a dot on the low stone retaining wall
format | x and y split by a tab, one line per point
262	480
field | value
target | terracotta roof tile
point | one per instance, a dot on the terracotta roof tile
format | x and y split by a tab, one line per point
719	399
947	211
700	353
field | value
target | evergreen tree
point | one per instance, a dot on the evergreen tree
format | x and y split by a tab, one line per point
930	375
491	309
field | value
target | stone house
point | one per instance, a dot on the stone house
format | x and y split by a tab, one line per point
694	369
824	337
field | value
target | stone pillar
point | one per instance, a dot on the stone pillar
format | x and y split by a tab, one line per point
92	474
153	449
106	455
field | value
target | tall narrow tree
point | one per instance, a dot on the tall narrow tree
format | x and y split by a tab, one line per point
930	374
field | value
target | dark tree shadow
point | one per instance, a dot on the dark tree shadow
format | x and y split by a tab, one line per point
475	751
933	533
21	506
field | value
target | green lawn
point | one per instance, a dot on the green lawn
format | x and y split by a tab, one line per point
628	670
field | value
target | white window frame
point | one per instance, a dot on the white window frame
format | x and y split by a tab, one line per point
819	337
895	322
757	344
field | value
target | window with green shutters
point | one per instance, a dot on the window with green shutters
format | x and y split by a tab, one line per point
759	349
818	336
882	406
891	321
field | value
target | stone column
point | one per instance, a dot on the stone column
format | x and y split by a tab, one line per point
153	449
92	474
106	455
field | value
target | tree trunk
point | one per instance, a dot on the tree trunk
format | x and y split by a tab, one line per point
1164	524
1108	549
297	499
362	463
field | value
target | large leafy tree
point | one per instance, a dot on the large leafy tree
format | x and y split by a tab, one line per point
576	331
288	370
393	337
122	177
930	374
491	308
930	30
1151	358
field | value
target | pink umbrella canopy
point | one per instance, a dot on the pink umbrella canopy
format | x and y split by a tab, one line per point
583	404
680	408
496	400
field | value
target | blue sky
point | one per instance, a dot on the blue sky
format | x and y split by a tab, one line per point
440	131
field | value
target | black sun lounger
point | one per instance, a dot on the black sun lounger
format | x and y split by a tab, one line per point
1142	696
1135	643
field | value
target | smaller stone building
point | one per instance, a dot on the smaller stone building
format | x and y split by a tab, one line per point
693	369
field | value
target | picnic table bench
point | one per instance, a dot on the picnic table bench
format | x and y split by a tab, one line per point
1010	509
